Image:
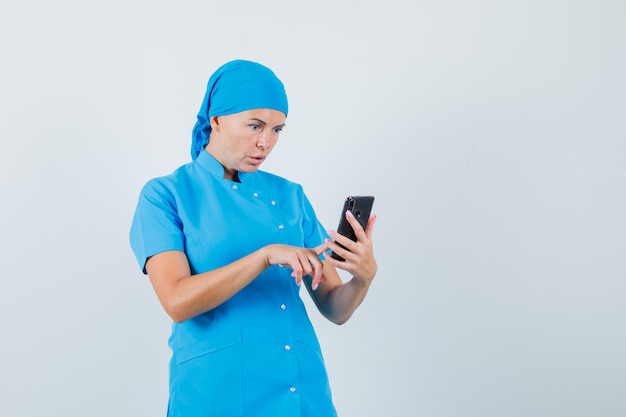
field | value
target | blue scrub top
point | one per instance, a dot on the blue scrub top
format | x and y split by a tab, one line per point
256	354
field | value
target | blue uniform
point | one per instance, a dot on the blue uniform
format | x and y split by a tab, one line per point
257	354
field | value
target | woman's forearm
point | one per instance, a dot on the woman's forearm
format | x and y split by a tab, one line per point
342	301
184	296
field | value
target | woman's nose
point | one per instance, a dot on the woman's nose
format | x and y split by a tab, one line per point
263	140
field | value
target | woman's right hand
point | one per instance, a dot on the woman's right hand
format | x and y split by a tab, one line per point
302	261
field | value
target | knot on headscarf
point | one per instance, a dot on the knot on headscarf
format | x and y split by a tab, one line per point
235	87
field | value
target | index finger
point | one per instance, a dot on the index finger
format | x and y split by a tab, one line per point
319	249
356	226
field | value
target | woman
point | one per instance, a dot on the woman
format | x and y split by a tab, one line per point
226	247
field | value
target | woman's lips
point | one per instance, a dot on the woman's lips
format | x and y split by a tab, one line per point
257	159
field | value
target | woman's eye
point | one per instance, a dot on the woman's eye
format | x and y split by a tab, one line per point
278	129
254	126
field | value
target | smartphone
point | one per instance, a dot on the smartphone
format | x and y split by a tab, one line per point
361	208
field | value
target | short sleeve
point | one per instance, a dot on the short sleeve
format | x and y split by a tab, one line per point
156	225
314	232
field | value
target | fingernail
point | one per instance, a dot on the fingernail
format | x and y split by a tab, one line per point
314	286
349	213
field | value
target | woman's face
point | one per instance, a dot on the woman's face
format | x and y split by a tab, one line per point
242	141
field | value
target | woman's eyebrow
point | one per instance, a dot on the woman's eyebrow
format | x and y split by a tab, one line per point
258	120
264	123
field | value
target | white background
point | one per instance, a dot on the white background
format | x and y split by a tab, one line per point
492	134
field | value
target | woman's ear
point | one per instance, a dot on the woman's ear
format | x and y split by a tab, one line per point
215	123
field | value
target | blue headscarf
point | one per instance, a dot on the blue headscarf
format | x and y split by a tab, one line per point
235	87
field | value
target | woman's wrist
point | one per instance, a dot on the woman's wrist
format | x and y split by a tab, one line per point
360	282
264	256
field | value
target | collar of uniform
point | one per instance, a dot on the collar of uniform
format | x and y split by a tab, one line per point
208	162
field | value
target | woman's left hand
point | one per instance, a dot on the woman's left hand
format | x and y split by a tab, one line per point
359	255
